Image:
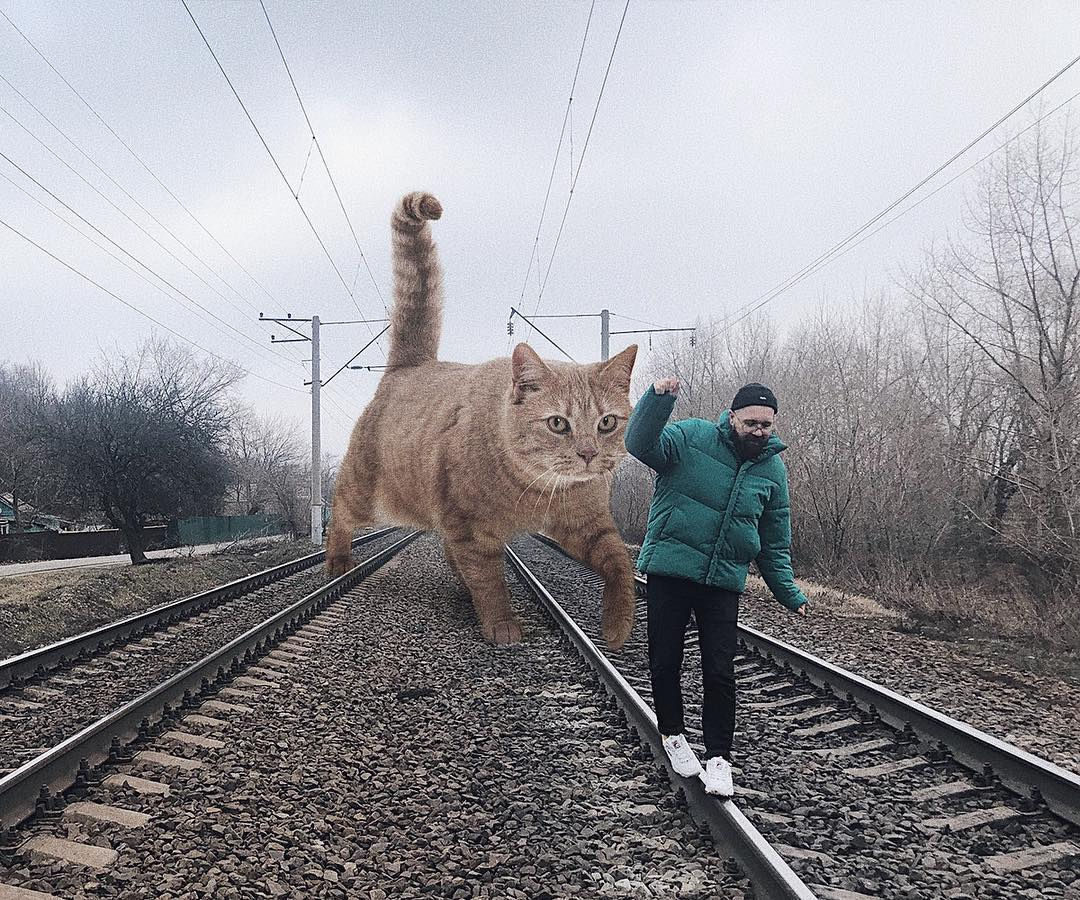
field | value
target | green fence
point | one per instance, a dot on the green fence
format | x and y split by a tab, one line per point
219	529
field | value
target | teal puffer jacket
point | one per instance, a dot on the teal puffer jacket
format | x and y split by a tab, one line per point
712	514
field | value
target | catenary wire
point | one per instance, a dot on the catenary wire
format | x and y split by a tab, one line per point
142	163
322	157
277	166
581	159
768	296
535	254
145	315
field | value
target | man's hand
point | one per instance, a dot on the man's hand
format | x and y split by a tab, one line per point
667	386
802	609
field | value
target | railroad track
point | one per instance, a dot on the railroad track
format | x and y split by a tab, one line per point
47	787
343	781
864	792
281	780
53	691
23	668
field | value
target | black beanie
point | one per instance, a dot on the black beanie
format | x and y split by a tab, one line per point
754	395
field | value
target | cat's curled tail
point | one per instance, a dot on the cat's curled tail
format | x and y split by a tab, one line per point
416	320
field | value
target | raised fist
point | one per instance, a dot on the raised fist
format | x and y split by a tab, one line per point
667	386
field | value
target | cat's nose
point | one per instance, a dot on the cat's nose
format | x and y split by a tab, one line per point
587	454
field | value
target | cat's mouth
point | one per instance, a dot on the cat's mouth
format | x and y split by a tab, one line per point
588	471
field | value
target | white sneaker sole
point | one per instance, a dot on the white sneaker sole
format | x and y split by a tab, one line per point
698	771
715	792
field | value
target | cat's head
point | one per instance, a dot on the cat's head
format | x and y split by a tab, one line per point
569	419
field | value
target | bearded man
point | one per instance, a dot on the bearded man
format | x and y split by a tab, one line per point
721	502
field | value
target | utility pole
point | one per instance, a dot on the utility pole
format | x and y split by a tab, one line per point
649	331
316	439
605	329
317	384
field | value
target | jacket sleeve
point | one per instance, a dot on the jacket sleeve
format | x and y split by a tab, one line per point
774	560
648	437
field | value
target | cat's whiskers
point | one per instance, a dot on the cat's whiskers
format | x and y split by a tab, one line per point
558	481
543	490
531	483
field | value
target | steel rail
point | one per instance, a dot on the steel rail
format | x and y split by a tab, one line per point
1015	768
37	662
976	750
771	876
69	763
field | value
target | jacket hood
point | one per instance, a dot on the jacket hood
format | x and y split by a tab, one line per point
772	447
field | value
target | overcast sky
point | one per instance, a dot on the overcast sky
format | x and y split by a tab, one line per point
734	142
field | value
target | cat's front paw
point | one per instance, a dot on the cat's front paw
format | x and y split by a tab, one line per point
617	620
617	629
339	565
506	631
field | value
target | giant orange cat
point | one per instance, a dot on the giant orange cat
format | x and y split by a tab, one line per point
483	452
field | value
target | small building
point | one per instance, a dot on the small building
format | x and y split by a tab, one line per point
29	518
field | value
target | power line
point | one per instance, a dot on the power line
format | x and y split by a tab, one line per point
122	189
834	251
140	161
277	166
581	159
509	325
535	254
136	309
97	244
326	165
96	190
175	198
127	194
127	253
955	177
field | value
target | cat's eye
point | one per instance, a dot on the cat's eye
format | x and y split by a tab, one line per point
558	424
607	424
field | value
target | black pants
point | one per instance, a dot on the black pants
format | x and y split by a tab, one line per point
670	602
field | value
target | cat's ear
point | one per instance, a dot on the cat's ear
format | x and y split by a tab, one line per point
618	369
529	371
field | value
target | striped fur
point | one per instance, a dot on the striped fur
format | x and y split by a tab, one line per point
416	322
469	451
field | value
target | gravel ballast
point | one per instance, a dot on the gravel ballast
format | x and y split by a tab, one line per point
837	823
42	608
404	757
967	680
33	719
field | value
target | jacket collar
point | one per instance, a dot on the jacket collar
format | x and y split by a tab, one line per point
723	427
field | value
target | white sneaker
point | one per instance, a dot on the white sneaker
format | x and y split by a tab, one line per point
683	759
717	777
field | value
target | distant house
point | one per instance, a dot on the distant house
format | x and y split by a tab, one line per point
29	518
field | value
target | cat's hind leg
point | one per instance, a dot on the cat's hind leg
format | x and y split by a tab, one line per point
482	571
352	509
448	552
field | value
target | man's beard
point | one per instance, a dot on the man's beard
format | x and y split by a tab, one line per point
749	445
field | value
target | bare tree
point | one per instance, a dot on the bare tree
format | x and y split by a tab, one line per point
1011	289
26	396
145	436
267	466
